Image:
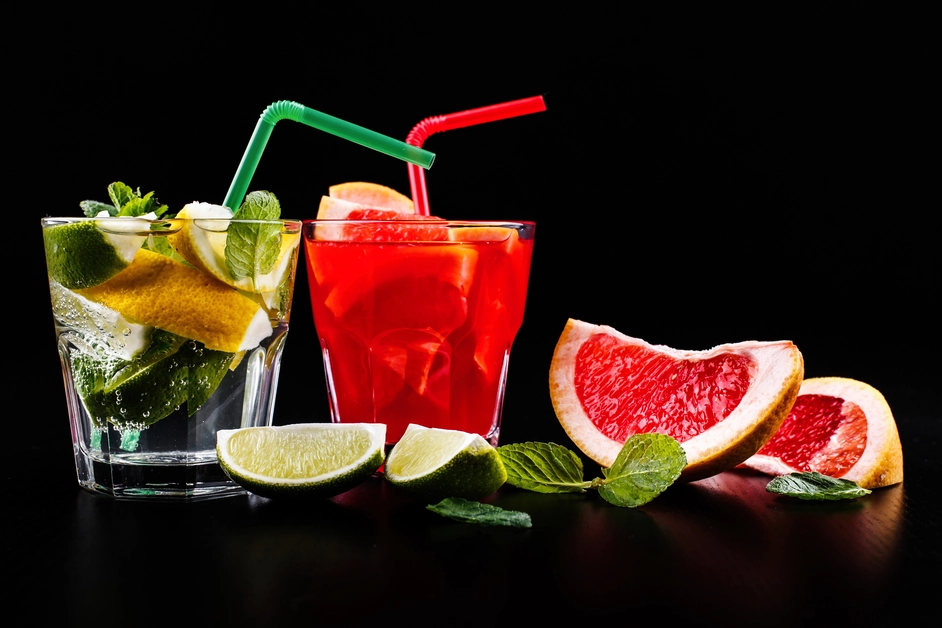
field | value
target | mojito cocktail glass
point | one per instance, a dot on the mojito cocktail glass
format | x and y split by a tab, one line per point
416	318
160	350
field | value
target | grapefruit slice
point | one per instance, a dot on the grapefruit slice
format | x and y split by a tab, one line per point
838	427
722	404
370	201
372	195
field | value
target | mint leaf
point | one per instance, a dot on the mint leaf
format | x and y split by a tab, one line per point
543	468
815	486
646	465
476	512
120	194
252	249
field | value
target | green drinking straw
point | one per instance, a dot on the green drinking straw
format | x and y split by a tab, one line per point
285	109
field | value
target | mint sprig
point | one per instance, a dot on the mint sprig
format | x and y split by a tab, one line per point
124	202
475	512
644	468
252	248
815	486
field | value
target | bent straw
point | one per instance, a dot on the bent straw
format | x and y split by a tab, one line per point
457	120
284	109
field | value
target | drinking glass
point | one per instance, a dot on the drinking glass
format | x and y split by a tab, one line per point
416	318
158	353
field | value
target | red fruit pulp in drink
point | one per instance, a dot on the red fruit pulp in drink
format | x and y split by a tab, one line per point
419	329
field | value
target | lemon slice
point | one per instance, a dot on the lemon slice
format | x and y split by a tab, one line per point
432	464
202	242
310	460
158	291
87	253
98	325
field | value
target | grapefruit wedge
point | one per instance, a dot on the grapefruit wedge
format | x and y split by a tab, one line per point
722	404
360	200
838	427
372	195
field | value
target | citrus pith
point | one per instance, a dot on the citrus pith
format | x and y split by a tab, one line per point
838	427
722	404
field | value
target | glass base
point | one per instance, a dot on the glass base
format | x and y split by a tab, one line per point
173	476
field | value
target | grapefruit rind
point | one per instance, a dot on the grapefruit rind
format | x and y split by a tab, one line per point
780	369
882	461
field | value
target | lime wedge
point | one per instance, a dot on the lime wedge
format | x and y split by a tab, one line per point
84	254
432	464
305	460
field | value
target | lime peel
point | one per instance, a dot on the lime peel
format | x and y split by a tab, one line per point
432	464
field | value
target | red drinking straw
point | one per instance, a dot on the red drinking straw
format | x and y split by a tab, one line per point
457	120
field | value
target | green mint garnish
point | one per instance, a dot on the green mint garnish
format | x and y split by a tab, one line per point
543	468
476	512
125	202
252	249
644	468
815	486
646	465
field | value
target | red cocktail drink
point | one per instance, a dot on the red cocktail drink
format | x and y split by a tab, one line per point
416	318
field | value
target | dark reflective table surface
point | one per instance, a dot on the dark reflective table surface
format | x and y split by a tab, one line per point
720	551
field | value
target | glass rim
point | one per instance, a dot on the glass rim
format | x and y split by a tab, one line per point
425	221
269	221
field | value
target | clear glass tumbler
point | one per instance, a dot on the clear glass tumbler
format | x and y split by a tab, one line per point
161	344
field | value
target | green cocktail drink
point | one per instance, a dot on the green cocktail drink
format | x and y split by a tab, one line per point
169	328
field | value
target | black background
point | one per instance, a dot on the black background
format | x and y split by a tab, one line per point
699	177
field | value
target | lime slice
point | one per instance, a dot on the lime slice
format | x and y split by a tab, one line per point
306	460
432	464
99	326
202	242
87	253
